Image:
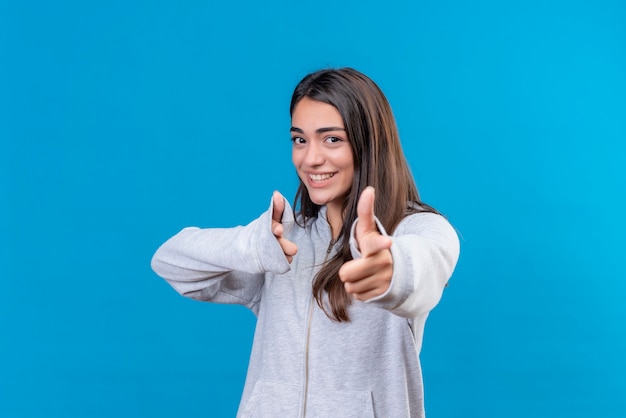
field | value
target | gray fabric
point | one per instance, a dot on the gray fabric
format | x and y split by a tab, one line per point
303	363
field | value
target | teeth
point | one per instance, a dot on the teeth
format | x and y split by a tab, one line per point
320	177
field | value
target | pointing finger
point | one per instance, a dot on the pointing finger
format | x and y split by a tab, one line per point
279	206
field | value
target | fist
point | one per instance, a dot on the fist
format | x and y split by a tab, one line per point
370	275
289	248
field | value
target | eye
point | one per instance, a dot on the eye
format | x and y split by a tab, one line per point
333	139
298	140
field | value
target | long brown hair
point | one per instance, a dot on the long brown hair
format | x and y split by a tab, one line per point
378	162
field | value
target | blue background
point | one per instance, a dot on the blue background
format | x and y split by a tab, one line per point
123	121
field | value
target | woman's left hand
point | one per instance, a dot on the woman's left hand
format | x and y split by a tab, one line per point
370	275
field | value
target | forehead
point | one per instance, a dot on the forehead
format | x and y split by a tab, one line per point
315	114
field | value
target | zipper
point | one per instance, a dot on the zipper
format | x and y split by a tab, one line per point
308	337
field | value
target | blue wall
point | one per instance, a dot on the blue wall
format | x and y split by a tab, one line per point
122	122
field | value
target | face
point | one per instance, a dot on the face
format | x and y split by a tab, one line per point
321	152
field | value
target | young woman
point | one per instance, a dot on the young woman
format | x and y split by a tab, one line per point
341	286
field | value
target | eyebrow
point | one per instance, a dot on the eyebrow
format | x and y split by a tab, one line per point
319	130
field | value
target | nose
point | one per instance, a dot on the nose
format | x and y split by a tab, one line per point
314	154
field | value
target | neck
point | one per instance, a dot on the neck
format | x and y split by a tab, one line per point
335	219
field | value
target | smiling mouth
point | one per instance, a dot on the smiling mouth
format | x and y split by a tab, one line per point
321	177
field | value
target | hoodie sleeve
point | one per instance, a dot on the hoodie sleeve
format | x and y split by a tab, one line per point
225	265
425	249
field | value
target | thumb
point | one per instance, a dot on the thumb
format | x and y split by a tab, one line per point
278	204
369	239
365	213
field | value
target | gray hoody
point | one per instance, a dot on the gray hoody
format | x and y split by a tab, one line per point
303	364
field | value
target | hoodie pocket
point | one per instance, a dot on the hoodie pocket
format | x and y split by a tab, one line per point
324	403
270	399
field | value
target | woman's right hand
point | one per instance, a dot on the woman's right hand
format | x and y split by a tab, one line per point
289	248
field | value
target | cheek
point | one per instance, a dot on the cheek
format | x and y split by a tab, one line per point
348	160
296	160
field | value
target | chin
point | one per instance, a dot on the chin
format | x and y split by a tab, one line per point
318	200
